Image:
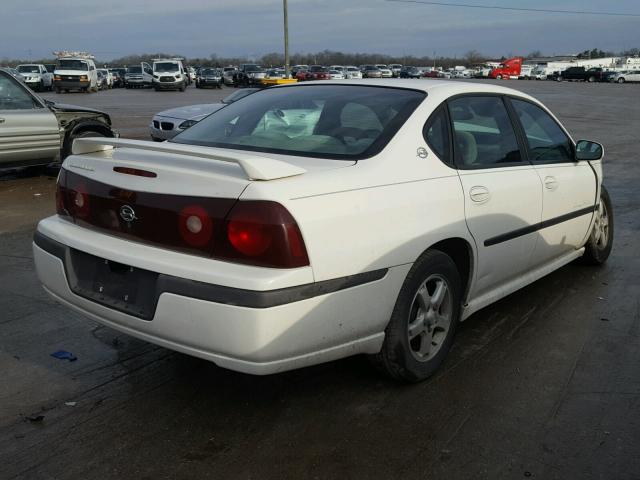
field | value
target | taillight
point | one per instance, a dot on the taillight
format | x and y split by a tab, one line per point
78	203
61	207
261	233
195	226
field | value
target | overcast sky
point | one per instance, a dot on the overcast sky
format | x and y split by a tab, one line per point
114	28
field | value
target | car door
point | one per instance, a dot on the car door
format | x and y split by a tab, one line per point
569	187
502	191
29	132
147	73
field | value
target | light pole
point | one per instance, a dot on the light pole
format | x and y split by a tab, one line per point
287	67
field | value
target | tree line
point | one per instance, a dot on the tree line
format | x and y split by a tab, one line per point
326	57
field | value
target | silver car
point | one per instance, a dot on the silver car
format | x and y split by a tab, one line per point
34	131
167	124
626	76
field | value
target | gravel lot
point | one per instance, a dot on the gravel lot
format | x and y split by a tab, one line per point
544	384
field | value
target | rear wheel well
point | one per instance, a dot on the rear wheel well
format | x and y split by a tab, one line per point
462	255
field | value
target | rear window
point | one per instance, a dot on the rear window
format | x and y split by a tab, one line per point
336	121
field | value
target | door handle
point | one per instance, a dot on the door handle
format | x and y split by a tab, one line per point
479	194
1	120
551	183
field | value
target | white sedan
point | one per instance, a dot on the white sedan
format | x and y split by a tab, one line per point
306	223
337	75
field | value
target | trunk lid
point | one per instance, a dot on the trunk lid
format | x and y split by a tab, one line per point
175	196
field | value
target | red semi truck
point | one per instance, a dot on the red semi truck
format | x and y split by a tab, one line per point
509	69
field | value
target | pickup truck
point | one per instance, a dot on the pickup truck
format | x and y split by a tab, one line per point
36	76
595	74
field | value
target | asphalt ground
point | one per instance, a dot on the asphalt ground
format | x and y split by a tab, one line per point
543	384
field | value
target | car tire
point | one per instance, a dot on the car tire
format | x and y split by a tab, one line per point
598	247
498	77
58	90
422	327
591	79
621	80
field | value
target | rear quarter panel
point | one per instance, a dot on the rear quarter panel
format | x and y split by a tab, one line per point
380	212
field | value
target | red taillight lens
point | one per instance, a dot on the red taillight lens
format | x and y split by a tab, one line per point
262	233
72	196
78	202
195	225
250	238
259	233
61	193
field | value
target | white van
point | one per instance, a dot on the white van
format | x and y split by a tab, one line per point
169	74
139	76
75	72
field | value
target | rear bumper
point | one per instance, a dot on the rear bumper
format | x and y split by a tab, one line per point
257	332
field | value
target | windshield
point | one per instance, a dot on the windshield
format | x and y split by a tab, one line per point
134	70
252	68
336	121
73	65
165	67
209	71
28	69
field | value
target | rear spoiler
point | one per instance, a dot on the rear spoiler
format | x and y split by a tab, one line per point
256	167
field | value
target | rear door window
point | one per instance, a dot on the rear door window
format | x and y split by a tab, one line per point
484	136
436	134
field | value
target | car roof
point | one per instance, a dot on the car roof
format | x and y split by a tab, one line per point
446	87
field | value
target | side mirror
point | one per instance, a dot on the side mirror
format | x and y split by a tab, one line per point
586	150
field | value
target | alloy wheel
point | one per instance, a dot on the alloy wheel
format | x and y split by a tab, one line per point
601	226
429	318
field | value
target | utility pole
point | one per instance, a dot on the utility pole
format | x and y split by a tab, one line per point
287	66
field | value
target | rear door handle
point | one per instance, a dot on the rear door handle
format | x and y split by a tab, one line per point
1	120
479	194
551	183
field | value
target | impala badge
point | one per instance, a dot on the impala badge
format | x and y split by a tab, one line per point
127	213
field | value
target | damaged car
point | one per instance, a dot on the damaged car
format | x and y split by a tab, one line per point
34	131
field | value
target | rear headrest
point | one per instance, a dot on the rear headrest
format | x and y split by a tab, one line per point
467	147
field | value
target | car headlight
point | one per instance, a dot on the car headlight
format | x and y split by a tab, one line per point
186	124
177	77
